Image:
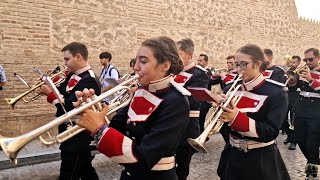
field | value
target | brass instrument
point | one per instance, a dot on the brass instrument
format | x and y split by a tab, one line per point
215	90
217	71
120	98
300	70
33	89
292	75
215	123
12	146
287	60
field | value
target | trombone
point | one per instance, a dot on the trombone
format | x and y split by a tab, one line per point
12	146
216	124
33	89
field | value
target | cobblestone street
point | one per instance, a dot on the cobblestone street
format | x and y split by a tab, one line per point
203	166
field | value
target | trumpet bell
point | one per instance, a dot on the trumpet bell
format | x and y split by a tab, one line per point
10	152
302	69
11	101
197	145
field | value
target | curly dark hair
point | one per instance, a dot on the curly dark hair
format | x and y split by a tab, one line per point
165	49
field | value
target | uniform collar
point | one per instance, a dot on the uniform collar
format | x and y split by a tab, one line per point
82	70
156	86
189	66
255	83
271	67
234	71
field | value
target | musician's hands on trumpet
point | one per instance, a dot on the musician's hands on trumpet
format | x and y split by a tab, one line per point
221	73
229	113
304	73
45	90
90	119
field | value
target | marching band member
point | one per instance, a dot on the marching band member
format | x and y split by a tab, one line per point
143	136
203	62
273	72
76	152
195	76
225	78
293	96
307	124
204	106
254	122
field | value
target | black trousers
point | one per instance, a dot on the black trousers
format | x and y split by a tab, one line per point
308	137
77	165
307	128
262	163
183	159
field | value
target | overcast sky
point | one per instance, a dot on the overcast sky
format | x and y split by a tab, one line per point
308	8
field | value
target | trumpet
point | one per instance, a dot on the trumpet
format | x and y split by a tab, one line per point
217	71
216	124
292	75
12	146
120	98
300	70
33	89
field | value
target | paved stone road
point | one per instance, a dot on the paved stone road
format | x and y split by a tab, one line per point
203	166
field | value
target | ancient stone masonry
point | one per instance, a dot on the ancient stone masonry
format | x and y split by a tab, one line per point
32	33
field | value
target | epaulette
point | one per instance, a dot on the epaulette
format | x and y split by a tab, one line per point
280	67
180	88
91	73
275	82
200	67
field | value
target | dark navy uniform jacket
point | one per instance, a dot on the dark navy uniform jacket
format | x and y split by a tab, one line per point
275	73
308	106
144	135
197	77
81	79
293	94
262	110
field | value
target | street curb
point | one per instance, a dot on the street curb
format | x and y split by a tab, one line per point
36	159
7	164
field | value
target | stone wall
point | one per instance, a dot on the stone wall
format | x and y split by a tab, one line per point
32	33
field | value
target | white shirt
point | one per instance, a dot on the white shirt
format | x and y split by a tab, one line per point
105	73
